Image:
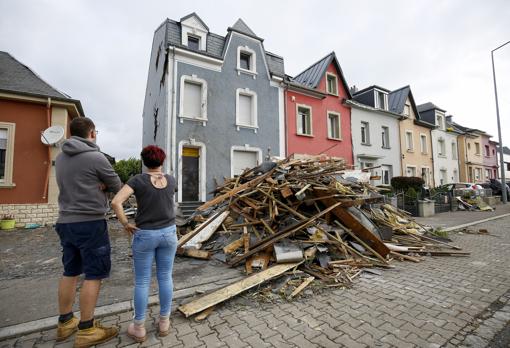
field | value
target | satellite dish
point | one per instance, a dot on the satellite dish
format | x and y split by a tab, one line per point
52	135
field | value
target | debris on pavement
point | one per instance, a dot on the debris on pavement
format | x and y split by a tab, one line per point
301	219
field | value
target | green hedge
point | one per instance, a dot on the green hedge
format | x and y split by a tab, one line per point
404	183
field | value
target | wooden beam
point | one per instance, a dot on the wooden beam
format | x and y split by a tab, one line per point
203	225
303	285
232	290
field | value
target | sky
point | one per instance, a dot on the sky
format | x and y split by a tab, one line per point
98	51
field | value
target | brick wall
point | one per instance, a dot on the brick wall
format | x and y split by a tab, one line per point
43	213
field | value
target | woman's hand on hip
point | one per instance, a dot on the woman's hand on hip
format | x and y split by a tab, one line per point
130	228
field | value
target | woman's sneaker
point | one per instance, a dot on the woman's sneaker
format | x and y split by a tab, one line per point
96	334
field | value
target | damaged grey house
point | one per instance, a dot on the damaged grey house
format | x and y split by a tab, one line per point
214	103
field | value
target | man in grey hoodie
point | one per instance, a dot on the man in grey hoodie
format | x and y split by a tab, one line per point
83	177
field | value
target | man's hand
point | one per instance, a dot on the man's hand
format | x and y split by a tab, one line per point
130	228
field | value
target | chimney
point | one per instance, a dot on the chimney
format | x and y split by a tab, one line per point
449	118
353	89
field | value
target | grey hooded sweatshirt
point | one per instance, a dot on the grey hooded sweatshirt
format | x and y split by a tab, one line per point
80	170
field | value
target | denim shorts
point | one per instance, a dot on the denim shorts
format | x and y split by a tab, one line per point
85	249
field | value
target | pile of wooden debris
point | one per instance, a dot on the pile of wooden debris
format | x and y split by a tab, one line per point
302	217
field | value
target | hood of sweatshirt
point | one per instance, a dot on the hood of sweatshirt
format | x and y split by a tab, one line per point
76	145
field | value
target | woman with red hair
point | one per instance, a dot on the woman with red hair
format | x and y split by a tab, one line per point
154	236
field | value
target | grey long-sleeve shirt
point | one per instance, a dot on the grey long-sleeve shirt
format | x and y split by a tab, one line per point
80	170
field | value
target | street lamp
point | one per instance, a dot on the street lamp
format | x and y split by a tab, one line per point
501	159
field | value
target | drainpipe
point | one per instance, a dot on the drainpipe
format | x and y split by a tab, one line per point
47	180
285	96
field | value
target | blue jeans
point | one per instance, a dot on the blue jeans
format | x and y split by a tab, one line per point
147	245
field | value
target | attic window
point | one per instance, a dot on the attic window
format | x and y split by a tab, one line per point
332	84
380	100
245	61
407	110
193	42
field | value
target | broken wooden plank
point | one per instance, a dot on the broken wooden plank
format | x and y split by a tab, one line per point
405	257
204	314
230	248
196	253
207	232
232	290
303	285
184	239
347	219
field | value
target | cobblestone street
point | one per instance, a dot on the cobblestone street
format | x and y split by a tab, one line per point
442	301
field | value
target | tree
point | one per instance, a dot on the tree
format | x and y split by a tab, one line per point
125	169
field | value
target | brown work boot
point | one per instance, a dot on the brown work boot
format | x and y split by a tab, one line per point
95	335
65	330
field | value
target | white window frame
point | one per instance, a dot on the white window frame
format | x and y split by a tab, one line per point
424	151
454	150
367	133
253	61
441	151
334	113
376	95
9	155
244	148
407	107
440	123
409	146
203	107
427	174
413	167
304	106
385	138
328	75
253	95
195	37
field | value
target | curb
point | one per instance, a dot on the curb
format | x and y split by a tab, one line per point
115	308
458	227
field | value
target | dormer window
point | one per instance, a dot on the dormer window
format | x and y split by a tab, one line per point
193	42
331	84
440	121
246	61
407	110
380	100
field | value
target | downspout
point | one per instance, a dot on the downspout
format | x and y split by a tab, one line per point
402	172
48	122
285	96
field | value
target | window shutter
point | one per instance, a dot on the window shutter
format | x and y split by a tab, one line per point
192	100
245	110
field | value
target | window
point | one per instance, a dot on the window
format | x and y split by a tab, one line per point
380	100
442	178
478	174
477	148
246	61
304	120
193	42
386	174
454	150
365	133
487	173
425	174
439	122
332	84
193	98
409	141
455	176
507	166
423	143
407	110
469	146
246	108
441	147
411	171
487	151
6	153
385	134
334	127
243	159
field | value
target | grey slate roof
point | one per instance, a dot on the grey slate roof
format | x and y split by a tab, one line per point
243	28
397	99
312	75
506	150
428	106
17	77
215	46
369	88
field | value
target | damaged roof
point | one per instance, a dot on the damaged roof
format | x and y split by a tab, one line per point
312	75
216	44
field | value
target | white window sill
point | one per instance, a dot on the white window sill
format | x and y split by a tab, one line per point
254	128
386	147
194	119
331	93
442	156
336	139
7	185
366	144
305	135
410	150
424	153
247	72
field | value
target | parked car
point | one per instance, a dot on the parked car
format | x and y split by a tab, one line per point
496	187
459	186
